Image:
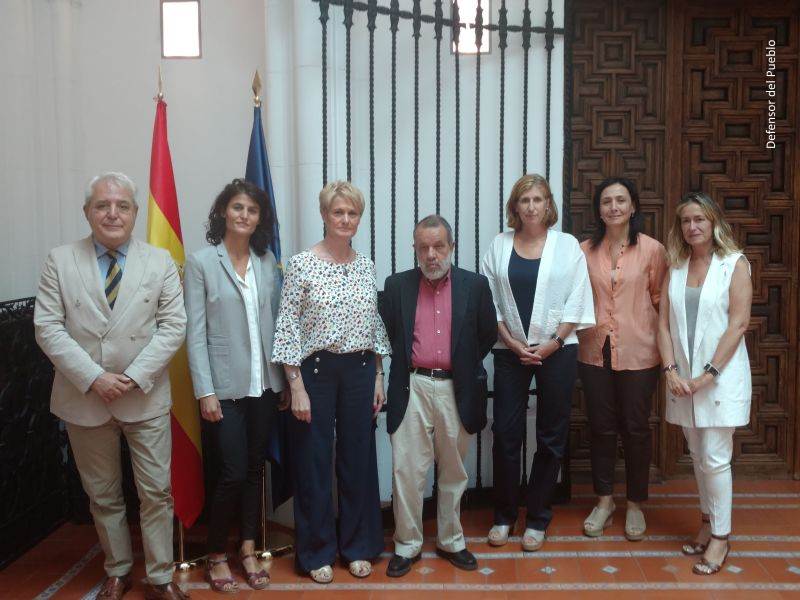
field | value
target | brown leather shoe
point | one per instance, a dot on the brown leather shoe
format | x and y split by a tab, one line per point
115	588
168	591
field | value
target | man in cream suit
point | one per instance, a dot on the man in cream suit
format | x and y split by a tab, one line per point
109	315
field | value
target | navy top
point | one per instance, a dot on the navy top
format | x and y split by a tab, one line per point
522	275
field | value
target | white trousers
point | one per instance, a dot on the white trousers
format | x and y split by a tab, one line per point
711	449
431	428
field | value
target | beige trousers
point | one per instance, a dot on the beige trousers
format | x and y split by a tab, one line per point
430	429
97	454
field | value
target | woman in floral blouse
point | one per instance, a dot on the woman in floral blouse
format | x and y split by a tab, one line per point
330	340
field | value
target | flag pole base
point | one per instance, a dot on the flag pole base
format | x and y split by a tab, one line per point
279	549
285	546
189	565
183	564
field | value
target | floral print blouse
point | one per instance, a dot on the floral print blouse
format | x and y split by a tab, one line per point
328	306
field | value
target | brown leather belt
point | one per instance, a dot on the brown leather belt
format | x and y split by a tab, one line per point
433	373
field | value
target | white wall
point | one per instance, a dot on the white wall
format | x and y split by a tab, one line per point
79	81
293	127
79	77
294	123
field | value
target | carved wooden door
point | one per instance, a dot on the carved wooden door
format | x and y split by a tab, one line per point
720	114
674	95
617	67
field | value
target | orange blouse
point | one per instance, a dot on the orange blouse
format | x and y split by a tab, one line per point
627	309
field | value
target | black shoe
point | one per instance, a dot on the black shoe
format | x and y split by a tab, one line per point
400	565
463	559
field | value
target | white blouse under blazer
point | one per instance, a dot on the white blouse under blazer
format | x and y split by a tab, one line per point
725	402
563	290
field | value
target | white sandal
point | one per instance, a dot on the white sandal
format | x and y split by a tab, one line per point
635	525
322	575
532	540
599	519
360	568
498	535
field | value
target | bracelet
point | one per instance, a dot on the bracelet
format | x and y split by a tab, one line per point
711	369
558	340
668	368
378	373
294	375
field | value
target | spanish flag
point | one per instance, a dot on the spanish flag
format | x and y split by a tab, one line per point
164	231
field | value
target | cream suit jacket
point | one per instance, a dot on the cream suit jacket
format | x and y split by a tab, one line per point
83	337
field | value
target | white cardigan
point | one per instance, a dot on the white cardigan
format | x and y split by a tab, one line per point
563	290
726	401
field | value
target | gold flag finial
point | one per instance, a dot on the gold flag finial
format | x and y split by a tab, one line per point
160	94
257	89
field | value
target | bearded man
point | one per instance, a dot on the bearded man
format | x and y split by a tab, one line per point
441	323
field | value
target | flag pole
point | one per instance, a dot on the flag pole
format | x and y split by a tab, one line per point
181	564
265	553
256	89
160	94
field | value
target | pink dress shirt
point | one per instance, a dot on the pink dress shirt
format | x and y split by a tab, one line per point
627	309
431	345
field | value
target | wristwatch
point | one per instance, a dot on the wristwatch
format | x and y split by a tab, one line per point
711	369
294	375
668	368
558	340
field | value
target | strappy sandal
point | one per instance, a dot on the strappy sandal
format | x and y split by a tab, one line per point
635	525
360	568
598	520
224	585
706	567
696	548
498	535
253	576
322	575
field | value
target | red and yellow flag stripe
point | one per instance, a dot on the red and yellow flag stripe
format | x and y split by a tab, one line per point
164	231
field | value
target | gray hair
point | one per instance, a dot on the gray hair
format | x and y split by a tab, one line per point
432	221
116	178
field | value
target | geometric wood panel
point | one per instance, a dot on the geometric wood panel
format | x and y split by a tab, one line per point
718	73
618	62
673	96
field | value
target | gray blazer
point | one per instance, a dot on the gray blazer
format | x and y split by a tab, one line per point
217	339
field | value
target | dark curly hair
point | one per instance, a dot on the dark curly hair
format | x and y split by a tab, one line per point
637	219
262	236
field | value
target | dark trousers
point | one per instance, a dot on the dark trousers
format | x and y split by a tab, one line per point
241	440
341	388
618	403
555	380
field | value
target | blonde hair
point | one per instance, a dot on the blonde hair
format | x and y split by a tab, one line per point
344	190
522	185
678	250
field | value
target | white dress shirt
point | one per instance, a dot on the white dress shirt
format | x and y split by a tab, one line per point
249	291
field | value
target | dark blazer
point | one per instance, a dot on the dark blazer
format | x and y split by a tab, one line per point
474	332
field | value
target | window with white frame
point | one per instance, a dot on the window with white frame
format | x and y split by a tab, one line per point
180	29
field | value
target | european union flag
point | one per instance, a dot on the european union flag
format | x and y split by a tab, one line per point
257	172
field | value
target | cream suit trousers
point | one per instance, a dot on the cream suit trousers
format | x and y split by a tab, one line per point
430	429
97	454
711	449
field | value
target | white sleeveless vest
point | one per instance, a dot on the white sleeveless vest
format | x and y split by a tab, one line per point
726	401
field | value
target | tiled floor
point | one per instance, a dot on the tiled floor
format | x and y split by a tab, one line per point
764	562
